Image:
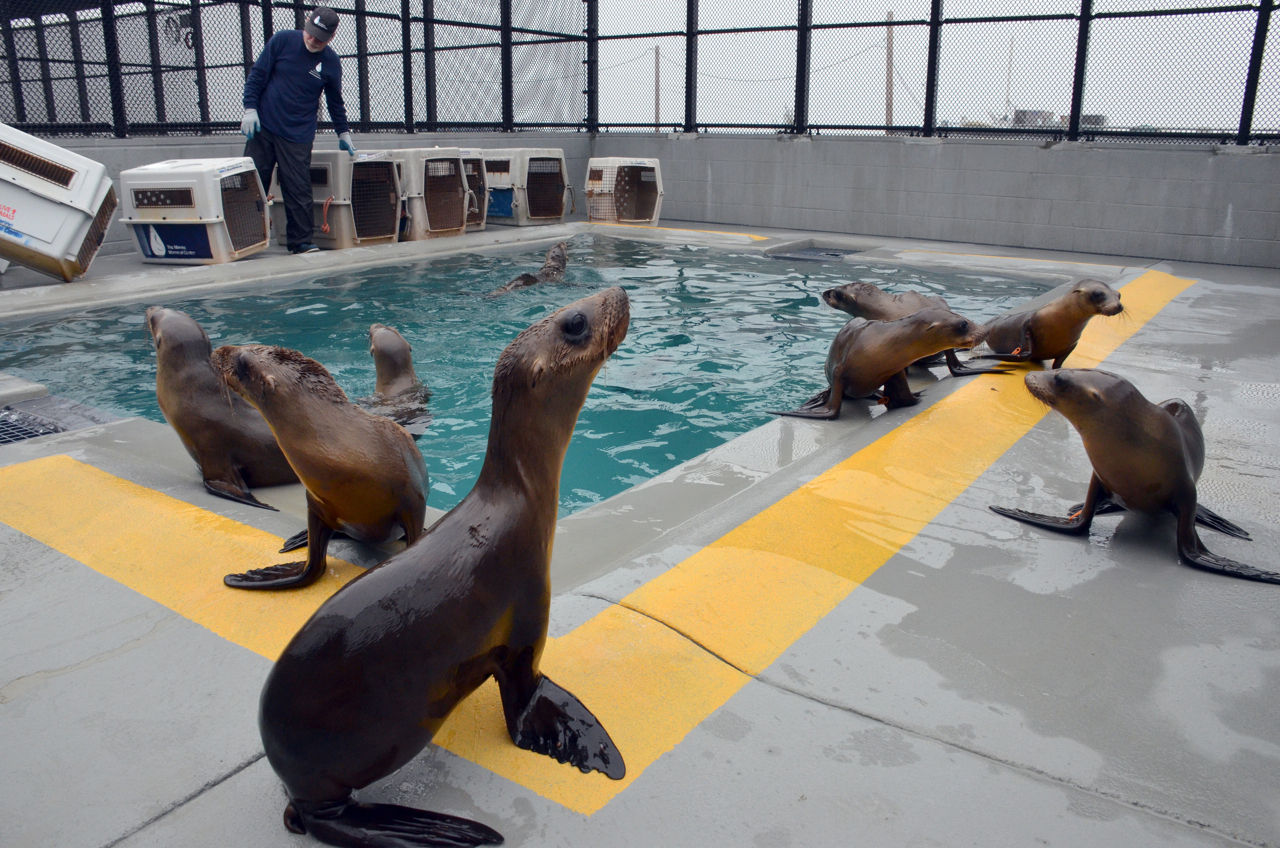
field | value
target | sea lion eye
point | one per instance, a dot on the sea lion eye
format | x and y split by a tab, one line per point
1059	381
964	326
574	326
1097	297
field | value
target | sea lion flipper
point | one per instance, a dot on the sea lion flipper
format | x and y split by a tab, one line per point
295	542
386	824
1211	519
1105	506
1076	524
961	369
897	392
557	724
1062	357
825	406
291	575
1193	551
229	490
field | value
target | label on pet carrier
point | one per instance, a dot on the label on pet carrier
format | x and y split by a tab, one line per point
174	241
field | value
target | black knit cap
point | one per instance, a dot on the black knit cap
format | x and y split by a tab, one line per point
321	24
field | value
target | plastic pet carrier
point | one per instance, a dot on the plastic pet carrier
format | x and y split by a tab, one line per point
478	182
195	211
434	191
624	191
55	205
356	199
527	186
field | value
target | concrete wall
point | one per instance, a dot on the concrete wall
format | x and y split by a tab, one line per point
1201	204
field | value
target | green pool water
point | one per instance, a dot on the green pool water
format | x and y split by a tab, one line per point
717	340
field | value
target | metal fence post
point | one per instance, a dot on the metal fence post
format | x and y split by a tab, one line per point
202	76
508	104
111	47
268	24
1255	71
931	74
153	41
1082	55
246	37
406	44
593	65
77	55
15	76
429	61
804	31
362	63
42	51
691	67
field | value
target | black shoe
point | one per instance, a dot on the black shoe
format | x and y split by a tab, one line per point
305	247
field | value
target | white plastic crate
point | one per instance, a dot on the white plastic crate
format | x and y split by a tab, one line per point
195	211
527	185
355	199
478	182
433	188
55	205
624	191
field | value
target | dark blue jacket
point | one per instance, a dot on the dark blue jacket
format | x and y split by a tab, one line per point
285	85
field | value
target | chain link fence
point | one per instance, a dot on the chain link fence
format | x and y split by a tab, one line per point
1194	71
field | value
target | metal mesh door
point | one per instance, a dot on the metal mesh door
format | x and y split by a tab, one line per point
97	231
374	202
545	188
242	209
473	169
444	193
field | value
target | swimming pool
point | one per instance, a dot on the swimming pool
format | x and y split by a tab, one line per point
717	340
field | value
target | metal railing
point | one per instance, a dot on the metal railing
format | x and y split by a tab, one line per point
1064	69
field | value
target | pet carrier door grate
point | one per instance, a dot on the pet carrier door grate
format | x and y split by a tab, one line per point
375	202
445	193
242	203
545	188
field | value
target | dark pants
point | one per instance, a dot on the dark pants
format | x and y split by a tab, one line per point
293	159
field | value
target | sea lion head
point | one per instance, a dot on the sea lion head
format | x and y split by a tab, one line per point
261	374
553	362
177	336
558	256
1087	397
954	330
393	359
1097	298
845	298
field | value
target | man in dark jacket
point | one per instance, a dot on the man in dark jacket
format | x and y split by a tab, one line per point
285	85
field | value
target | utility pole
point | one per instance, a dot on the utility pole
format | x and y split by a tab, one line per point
888	71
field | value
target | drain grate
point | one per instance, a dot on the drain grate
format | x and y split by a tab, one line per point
816	254
16	427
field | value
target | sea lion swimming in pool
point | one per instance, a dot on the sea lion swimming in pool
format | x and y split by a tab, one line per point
229	440
370	678
552	271
363	473
1146	457
398	394
864	300
1053	330
866	355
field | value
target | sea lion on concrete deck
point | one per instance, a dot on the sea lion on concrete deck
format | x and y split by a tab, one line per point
552	271
864	300
1053	330
1145	457
869	354
364	475
398	394
229	440
370	678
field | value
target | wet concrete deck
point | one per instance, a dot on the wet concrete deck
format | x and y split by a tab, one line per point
914	671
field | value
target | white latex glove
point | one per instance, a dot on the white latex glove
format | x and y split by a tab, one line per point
249	125
345	143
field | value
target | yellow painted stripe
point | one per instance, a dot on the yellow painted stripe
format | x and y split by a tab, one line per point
172	552
680	230
746	597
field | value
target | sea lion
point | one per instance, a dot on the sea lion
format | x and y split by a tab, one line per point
869	354
229	440
363	473
1146	457
864	300
398	394
1053	330
370	678
552	271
